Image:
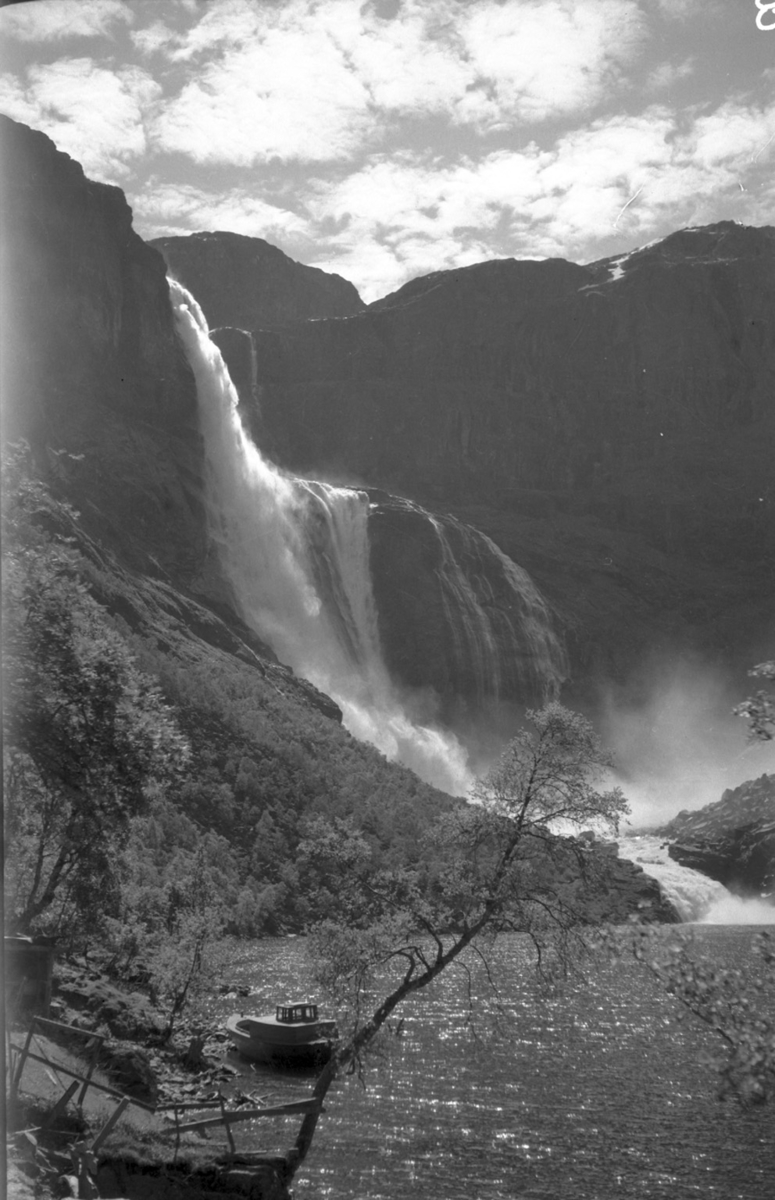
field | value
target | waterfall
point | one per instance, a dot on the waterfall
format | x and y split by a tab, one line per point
695	896
472	634
509	639
296	554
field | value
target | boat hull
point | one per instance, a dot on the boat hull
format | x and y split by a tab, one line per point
302	1048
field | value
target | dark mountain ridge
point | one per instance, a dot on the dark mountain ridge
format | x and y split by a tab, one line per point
248	283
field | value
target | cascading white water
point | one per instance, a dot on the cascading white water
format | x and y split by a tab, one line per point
481	628
472	634
501	635
695	896
535	624
297	556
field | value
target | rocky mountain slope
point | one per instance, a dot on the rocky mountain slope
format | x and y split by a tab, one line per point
732	840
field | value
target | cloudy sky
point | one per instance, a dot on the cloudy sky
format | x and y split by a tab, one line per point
387	138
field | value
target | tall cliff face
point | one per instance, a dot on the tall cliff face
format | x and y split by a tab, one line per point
97	381
615	388
94	376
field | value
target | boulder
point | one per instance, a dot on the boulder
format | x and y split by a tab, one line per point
744	860
129	1070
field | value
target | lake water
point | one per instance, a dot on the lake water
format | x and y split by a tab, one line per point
601	1094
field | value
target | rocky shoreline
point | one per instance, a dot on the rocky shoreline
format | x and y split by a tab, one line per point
731	841
137	1059
135	1056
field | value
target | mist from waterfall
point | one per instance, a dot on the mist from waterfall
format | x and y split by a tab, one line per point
296	553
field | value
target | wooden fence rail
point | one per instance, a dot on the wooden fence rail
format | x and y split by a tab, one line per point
231	1117
84	1153
87	1081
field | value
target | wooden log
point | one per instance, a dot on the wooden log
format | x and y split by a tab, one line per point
24	1053
227	1123
111	1121
60	1105
99	1086
94	1044
87	1033
251	1114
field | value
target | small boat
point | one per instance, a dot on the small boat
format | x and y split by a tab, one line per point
293	1034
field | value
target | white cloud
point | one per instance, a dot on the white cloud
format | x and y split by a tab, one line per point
623	180
413	63
733	135
539	59
52	20
93	114
683	10
578	188
666	74
224	24
154	38
318	80
178	209
290	96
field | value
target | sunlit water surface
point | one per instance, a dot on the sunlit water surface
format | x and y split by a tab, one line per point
597	1095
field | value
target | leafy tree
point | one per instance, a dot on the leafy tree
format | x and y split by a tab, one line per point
736	1004
494	867
87	736
759	709
181	958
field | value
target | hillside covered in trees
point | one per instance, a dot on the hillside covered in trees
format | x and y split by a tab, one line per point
214	776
